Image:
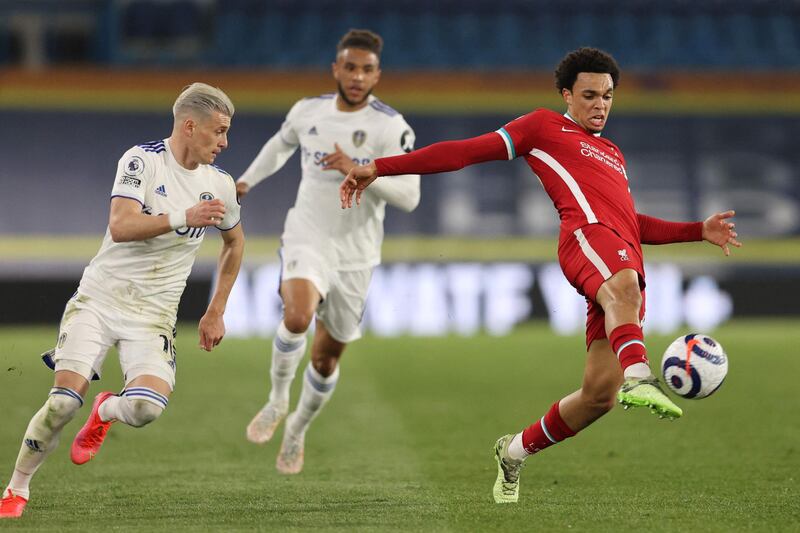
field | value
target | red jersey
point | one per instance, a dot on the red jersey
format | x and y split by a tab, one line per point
584	174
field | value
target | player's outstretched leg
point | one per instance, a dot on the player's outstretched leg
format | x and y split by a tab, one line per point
317	390
287	351
641	388
91	436
41	438
510	451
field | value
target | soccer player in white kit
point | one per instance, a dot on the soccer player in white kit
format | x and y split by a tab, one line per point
165	196
327	254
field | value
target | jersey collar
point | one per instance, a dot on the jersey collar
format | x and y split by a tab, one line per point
598	134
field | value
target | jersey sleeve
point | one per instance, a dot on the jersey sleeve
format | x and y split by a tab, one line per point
520	135
232	206
653	230
398	138
288	131
135	171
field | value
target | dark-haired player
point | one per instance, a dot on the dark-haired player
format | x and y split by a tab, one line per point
599	246
327	255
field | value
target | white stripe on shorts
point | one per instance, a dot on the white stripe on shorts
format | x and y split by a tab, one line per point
589	252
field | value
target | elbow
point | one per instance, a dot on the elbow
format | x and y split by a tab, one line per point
118	234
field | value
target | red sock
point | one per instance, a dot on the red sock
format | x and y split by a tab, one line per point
550	430
627	341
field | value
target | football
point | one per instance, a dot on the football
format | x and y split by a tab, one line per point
694	366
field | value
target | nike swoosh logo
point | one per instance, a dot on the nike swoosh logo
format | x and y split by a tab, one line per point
569	131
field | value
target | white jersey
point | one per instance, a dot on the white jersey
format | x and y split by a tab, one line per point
147	277
348	239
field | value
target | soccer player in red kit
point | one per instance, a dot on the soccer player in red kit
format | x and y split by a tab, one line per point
599	246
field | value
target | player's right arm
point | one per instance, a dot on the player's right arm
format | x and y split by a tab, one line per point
504	144
273	155
126	222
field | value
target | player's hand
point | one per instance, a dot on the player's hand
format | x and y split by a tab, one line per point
338	160
242	189
205	213
211	330
717	230
356	181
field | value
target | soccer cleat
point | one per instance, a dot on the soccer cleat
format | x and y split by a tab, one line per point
290	457
263	426
11	506
506	486
646	392
91	436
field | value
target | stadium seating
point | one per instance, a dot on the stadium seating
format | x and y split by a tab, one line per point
683	34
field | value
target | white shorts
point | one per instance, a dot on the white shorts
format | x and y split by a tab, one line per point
89	329
343	292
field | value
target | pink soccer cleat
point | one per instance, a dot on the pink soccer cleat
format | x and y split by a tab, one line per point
11	506
91	436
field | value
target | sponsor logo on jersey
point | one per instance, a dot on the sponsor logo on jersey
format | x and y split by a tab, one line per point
407	141
134	166
61	340
313	130
623	255
161	191
359	136
565	130
130	181
206	196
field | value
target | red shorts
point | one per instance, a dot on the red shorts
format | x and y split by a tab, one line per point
588	257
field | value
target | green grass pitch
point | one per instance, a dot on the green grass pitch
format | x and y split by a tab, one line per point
405	444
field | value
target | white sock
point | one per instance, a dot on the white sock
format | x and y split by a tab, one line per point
638	370
515	449
42	436
287	350
317	390
135	406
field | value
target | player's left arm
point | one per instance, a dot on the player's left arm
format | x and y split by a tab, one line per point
212	325
716	229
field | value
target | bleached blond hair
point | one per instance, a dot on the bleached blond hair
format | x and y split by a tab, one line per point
204	99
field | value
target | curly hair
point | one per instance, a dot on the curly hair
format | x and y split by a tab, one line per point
363	39
585	59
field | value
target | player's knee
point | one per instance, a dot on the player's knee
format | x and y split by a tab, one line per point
61	409
143	412
601	397
326	366
297	321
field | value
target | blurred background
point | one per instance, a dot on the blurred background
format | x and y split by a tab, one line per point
706	113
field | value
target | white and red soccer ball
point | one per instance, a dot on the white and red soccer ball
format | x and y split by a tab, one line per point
694	366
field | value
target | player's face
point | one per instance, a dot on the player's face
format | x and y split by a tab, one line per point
209	137
589	101
356	72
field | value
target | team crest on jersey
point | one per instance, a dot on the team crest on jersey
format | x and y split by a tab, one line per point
134	166
407	141
623	255
62	339
206	196
359	136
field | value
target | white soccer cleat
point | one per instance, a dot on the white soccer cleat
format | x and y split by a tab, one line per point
263	426
290	458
